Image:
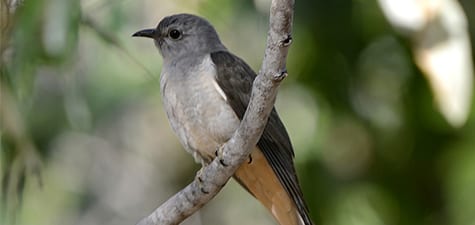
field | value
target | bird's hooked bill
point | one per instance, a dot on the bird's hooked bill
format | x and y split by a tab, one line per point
150	33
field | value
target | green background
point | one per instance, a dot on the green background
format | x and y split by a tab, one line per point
84	139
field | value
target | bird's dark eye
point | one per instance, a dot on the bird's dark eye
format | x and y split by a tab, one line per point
174	34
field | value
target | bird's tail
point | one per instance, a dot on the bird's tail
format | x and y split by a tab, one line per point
260	180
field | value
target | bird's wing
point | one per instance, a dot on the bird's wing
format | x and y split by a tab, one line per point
235	78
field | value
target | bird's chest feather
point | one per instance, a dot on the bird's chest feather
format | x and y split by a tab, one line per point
197	108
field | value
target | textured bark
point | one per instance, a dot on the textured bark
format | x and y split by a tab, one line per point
234	152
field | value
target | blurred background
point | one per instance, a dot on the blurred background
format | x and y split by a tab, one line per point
379	108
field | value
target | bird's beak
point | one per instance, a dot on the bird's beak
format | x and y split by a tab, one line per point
149	33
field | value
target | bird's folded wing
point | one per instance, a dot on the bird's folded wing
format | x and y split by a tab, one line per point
235	78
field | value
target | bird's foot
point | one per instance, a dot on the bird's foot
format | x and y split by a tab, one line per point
200	181
219	155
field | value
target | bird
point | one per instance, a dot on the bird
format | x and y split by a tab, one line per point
205	90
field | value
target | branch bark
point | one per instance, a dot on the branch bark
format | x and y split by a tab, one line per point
214	176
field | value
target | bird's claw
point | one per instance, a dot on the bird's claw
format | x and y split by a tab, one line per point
200	181
219	155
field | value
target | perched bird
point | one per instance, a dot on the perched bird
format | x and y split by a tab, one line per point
205	91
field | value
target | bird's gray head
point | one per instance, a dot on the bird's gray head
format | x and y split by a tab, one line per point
183	34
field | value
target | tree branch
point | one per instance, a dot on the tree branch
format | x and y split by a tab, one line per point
214	176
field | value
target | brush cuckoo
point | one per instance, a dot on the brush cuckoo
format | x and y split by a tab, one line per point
205	91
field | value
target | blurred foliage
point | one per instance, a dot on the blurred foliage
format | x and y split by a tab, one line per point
80	104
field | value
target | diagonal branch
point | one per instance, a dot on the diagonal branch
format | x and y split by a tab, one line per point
214	176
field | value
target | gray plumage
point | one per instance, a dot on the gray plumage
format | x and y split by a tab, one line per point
206	90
